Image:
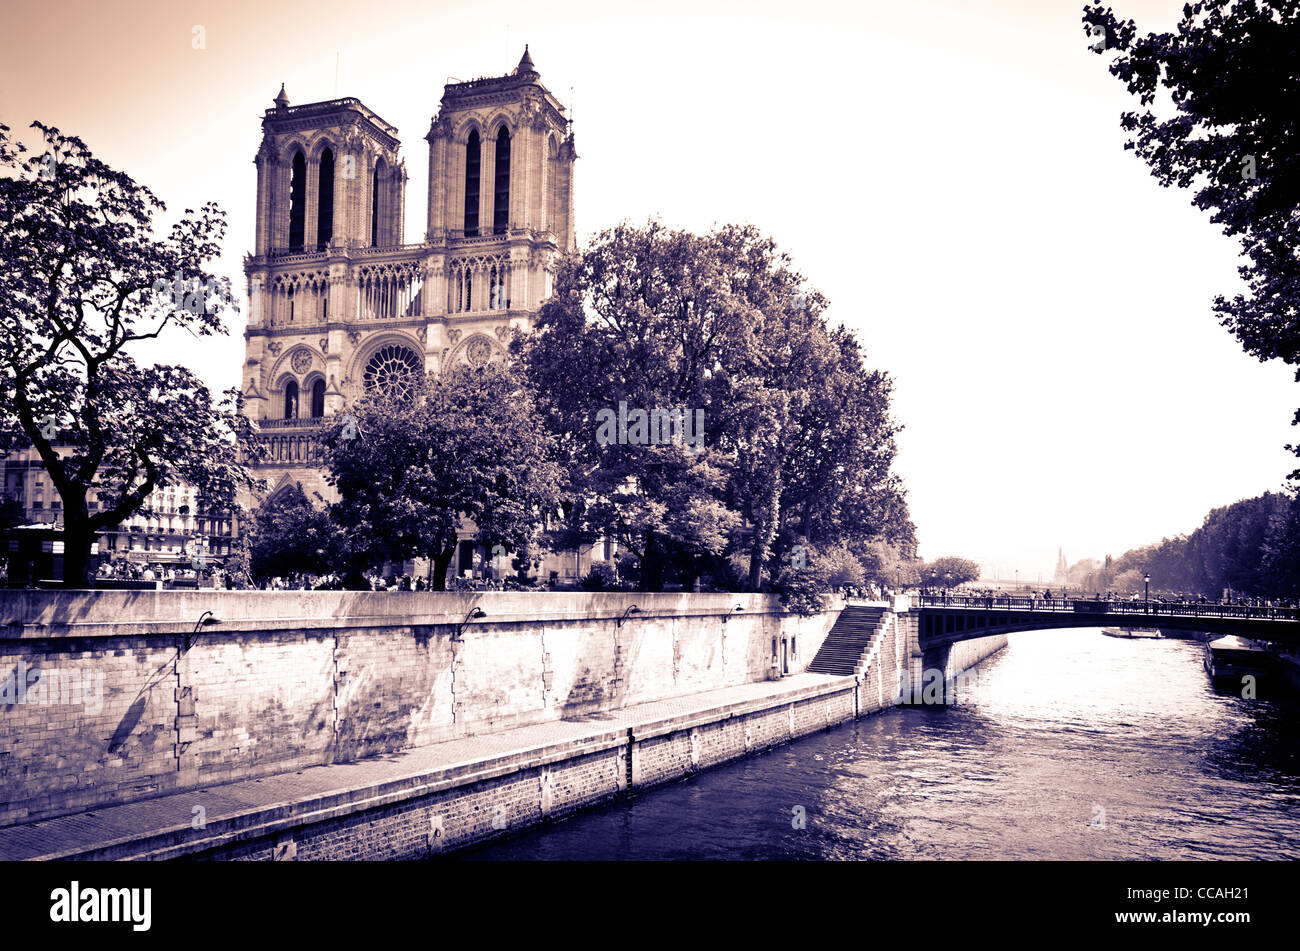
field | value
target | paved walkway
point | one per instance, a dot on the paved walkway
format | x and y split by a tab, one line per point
324	791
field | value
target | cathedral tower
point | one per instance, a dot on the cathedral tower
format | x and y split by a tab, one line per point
338	304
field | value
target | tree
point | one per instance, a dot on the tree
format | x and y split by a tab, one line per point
840	566
1280	565
82	279
1251	547
721	328
411	468
12	513
949	572
641	322
290	536
1228	132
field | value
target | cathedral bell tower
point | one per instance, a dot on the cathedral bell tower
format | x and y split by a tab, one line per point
501	156
339	305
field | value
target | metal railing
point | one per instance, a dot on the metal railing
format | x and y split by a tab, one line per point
1154	608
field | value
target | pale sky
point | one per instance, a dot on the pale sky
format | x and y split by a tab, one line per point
951	175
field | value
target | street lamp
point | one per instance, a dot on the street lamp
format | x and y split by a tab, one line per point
1146	580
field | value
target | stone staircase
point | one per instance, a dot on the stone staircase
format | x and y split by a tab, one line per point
846	647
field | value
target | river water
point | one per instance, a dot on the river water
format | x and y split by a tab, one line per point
1066	745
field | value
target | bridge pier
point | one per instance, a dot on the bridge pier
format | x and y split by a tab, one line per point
930	681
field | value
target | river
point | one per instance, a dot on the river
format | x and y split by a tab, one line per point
1068	744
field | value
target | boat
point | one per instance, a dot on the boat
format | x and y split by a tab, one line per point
1229	659
1131	632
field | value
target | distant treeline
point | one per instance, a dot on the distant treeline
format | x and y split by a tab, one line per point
1251	548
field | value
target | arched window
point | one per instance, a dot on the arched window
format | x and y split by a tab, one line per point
325	204
394	371
471	185
374	204
318	399
291	400
297	202
551	191
501	194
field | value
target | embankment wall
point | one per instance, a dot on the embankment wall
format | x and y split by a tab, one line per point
112	696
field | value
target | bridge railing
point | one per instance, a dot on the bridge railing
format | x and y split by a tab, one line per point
1113	608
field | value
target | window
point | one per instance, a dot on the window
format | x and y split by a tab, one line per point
471	185
394	371
325	204
501	193
374	204
291	400
297	202
318	399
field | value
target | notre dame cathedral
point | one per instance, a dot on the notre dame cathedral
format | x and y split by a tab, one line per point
338	304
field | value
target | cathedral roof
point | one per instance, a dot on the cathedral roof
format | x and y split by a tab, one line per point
282	101
525	63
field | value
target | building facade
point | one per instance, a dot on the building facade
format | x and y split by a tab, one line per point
339	305
174	524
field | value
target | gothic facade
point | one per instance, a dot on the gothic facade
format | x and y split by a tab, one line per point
338	304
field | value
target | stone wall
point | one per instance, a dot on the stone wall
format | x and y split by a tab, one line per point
960	657
436	813
111	696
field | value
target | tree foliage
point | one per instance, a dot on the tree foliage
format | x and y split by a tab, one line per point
290	536
1219	114
83	278
949	572
797	442
411	471
1251	547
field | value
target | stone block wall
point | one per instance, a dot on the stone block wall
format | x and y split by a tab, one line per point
476	811
289	679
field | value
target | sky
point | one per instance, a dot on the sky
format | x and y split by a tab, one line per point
950	175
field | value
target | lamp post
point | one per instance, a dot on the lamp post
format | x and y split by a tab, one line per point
1146	581
947	577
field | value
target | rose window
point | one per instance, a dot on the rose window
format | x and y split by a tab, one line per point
393	371
478	352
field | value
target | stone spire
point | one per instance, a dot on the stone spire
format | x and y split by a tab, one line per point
526	64
282	101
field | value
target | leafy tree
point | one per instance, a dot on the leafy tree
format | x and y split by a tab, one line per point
641	321
1251	547
1280	564
841	483
12	513
949	572
1227	130
290	536
82	279
719	325
411	469
840	566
